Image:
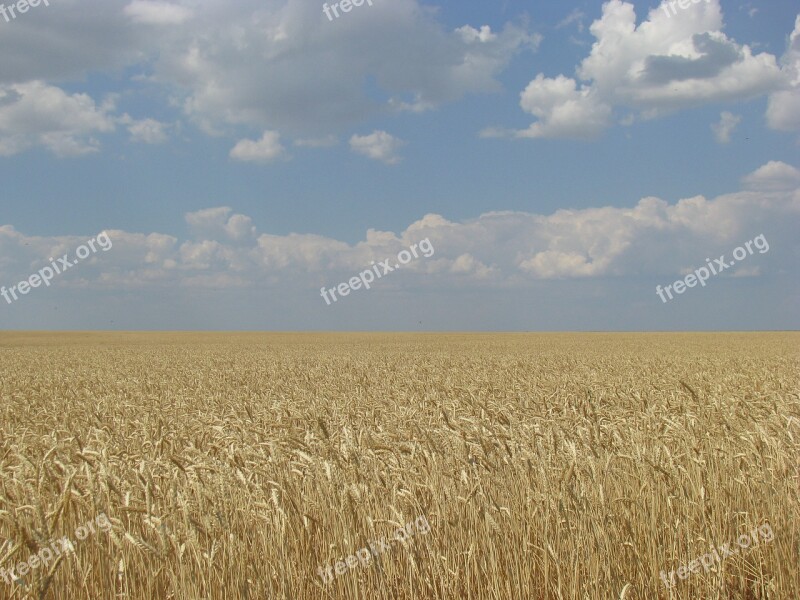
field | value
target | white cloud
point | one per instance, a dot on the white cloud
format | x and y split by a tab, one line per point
210	255
276	65
726	126
470	34
282	65
773	176
665	64
219	223
267	149
562	109
783	110
466	264
154	12
378	145
302	252
147	131
37	114
268	64
551	264
512	249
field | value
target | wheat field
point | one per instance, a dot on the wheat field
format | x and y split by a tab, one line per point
553	466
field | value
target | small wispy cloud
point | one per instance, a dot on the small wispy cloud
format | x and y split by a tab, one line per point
576	16
267	149
378	145
726	126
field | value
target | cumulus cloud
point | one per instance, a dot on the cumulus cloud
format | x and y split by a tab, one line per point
134	260
228	65
783	110
275	65
37	114
773	176
563	109
219	223
378	145
726	126
245	68
663	64
466	264
264	150
553	263
652	237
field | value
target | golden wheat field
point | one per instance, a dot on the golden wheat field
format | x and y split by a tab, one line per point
557	466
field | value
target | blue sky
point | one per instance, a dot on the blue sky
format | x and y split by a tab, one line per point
563	160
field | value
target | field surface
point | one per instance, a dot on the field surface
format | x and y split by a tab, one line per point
555	466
